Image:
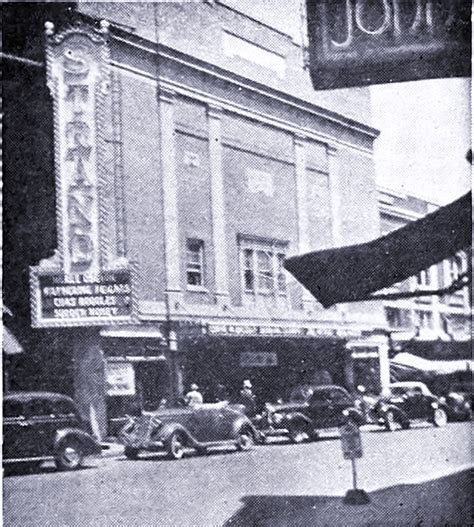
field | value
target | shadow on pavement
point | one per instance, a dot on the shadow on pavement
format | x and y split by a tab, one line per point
439	503
163	456
24	469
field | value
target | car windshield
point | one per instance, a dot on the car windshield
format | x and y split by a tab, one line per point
301	393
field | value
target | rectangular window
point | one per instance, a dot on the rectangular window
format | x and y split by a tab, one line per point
262	267
265	271
456	268
281	277
424	278
195	263
398	318
425	319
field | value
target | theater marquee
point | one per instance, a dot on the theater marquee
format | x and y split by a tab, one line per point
86	282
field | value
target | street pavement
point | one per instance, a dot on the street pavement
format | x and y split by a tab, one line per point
415	477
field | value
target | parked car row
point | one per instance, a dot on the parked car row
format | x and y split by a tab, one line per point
40	426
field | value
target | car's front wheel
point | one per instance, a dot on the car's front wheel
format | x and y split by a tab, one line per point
440	418
176	444
130	452
70	455
245	440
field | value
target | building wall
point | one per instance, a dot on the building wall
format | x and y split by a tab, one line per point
200	29
287	141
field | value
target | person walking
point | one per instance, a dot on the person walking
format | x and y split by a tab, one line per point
194	396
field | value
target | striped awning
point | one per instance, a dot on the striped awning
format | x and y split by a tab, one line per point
407	361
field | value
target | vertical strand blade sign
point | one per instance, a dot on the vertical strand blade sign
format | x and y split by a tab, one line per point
363	42
85	282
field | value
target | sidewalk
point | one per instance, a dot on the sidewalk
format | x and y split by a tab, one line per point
444	502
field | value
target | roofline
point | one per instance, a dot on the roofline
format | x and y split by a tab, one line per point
119	34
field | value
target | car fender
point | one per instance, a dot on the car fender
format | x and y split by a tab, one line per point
168	429
91	446
243	421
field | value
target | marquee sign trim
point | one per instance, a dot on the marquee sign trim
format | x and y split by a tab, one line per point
86	282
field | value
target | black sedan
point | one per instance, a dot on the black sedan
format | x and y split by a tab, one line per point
310	408
200	427
41	426
417	402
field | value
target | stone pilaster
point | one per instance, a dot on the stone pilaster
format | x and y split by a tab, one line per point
302	208
335	195
170	199
218	205
89	380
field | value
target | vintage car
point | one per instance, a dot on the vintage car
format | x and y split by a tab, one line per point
377	410
457	406
41	426
199	427
417	402
310	408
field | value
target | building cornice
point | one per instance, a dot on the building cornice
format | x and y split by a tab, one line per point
238	109
243	82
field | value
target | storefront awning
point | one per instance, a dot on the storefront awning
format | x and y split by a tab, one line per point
353	273
10	344
437	367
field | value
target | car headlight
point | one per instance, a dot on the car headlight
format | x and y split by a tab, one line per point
434	405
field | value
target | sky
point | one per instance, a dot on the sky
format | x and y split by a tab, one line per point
425	134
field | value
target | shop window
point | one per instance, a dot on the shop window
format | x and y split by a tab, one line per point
398	318
194	263
262	267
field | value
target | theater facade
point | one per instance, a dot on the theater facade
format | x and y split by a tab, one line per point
187	166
